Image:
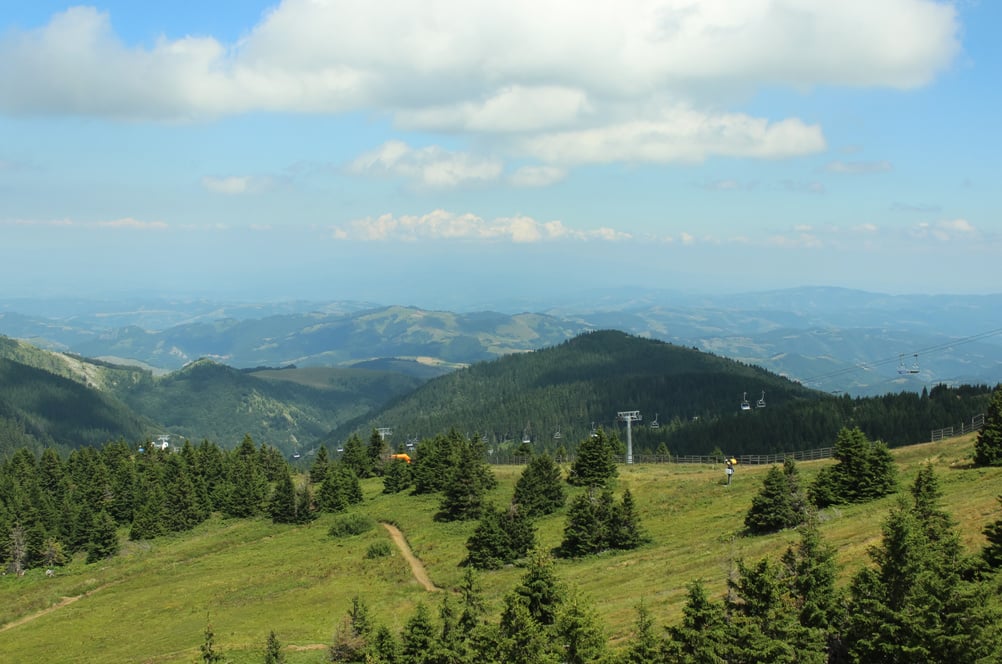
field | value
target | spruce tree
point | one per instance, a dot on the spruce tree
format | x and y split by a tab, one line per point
702	637
992	553
273	650
354	456
988	446
469	480
541	590
396	476
864	471
103	538
282	506
645	646
318	470
578	630
540	490
625	531
595	464
772	508
375	451
419	643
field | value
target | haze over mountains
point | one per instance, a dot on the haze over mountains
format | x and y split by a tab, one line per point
831	339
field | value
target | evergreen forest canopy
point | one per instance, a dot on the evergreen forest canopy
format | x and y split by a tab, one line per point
552	398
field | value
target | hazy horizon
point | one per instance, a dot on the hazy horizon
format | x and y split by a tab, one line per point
466	152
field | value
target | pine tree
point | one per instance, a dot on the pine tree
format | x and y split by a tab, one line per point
318	471
865	471
540	490
992	553
501	537
469	480
578	631
273	650
396	476
541	590
596	462
419	641
521	638
583	533
208	647
772	508
103	538
645	647
355	457
474	607
247	487
375	451
282	506
148	517
702	637
917	604
625	531
988	446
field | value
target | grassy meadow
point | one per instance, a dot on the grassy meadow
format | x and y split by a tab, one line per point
152	602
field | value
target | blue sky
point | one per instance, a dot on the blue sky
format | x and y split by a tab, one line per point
455	151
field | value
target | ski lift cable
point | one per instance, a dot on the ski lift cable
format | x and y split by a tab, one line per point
865	366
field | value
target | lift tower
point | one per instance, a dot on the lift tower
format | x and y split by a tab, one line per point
629	416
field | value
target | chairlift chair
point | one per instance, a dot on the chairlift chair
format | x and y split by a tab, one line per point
654	423
761	402
744	402
904	370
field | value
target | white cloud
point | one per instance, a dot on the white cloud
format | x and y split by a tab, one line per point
944	231
127	223
537	176
859	167
235	184
679	135
431	166
578	82
445	225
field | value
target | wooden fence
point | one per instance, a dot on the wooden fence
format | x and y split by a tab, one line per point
977	422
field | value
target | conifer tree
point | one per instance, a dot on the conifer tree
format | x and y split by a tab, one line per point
541	590
103	538
578	631
702	636
625	531
282	506
375	451
183	509
865	471
396	476
418	639
354	456
148	517
988	446
595	464
469	480
540	490
474	607
501	537
521	638
645	646
772	508
247	487
318	470
992	553
208	647
273	650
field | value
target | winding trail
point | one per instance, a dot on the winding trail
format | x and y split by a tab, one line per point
66	601
417	567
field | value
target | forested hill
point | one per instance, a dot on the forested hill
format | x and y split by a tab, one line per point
577	385
41	409
694	397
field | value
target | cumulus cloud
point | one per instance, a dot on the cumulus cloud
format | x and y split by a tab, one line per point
576	82
430	166
445	225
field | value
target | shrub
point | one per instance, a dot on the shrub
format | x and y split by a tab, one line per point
379	549
351	524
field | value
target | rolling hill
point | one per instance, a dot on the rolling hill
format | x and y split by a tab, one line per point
248	577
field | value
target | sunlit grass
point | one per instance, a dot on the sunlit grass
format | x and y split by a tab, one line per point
249	577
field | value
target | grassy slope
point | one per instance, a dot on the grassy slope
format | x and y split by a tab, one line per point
249	577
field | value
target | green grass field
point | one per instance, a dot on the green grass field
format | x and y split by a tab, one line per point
152	602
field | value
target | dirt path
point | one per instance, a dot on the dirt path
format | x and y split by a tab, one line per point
417	568
58	605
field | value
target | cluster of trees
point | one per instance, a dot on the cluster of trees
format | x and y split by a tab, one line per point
52	508
921	600
864	471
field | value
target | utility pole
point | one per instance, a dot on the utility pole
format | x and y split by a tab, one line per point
629	416
384	432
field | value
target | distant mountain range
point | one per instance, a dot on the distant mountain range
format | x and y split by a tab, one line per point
831	339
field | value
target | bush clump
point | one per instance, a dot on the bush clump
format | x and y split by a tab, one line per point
351	524
380	549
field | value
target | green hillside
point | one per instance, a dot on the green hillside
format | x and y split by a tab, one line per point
41	409
557	395
153	600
